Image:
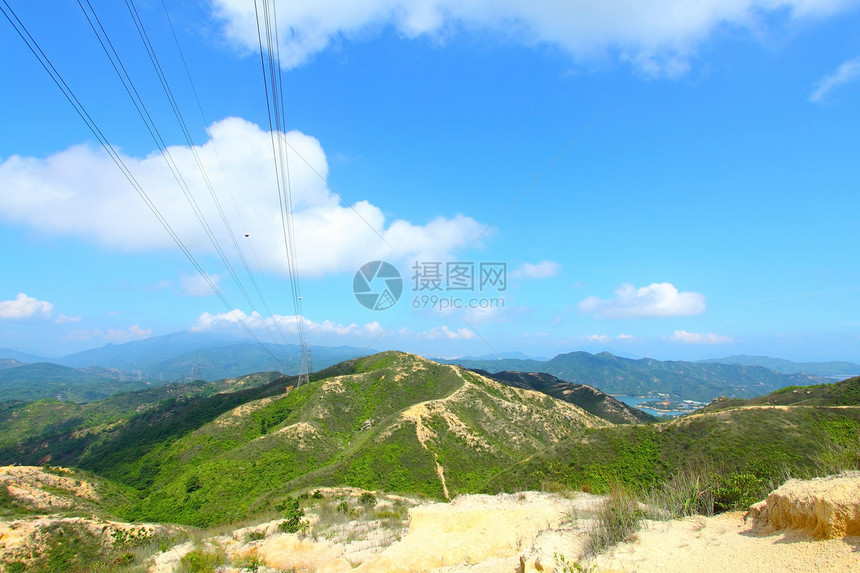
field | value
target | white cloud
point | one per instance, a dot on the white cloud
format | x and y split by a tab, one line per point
446	333
133	332
24	306
700	337
655	300
196	285
541	270
657	36
847	72
287	324
63	319
601	338
80	192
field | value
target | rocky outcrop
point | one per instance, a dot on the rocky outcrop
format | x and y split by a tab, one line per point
825	508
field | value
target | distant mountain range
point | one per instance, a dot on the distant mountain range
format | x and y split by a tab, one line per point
648	377
101	372
839	370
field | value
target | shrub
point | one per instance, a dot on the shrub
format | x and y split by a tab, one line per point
199	561
739	490
367	498
684	494
617	518
343	507
293	514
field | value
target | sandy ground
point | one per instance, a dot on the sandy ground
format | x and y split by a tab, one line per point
726	543
524	533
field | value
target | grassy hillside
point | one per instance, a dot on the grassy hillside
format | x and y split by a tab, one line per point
588	398
392	421
681	380
844	393
47	380
398	422
51	431
756	443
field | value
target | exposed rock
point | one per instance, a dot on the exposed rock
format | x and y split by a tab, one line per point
825	508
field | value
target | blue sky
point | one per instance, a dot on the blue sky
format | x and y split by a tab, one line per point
660	179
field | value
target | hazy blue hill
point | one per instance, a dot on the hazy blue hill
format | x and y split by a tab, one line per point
194	355
241	358
142	354
22	356
641	377
830	369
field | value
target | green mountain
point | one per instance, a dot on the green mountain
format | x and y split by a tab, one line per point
391	421
47	380
800	432
649	377
844	393
205	454
52	423
829	369
588	398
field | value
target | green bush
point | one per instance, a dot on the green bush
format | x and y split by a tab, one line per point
738	491
293	514
367	498
199	561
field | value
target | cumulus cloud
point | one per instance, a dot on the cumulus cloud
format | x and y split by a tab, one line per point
603	338
540	270
655	300
657	36
80	192
600	338
446	333
24	306
700	337
847	72
287	324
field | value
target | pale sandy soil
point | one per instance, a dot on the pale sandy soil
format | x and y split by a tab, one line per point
525	532
726	543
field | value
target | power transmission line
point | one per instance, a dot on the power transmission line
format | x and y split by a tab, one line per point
80	109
